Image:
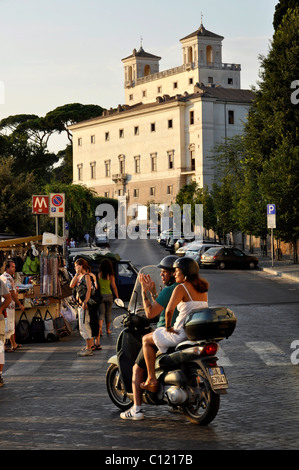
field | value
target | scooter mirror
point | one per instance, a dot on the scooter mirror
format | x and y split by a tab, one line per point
119	303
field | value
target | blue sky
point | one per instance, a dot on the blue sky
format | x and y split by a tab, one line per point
65	51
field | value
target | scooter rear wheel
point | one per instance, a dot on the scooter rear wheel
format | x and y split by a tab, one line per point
116	390
205	404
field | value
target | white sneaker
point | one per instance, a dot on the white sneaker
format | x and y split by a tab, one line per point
85	352
132	414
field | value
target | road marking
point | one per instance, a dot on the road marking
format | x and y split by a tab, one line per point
28	366
223	359
270	354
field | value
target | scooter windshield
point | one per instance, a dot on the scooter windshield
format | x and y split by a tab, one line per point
136	297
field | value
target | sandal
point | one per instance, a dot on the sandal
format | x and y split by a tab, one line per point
96	347
150	387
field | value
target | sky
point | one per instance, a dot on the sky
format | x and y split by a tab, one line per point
56	52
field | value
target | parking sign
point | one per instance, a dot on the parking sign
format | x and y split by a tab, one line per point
271	209
271	216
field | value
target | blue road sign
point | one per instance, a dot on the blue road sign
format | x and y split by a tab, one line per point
271	209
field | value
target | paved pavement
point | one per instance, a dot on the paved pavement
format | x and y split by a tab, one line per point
283	268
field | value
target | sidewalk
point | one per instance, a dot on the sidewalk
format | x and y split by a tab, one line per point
283	268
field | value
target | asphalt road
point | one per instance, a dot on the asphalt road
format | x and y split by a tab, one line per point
54	400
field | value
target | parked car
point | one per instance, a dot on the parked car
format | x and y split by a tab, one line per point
102	240
165	235
125	272
228	257
196	250
152	230
182	242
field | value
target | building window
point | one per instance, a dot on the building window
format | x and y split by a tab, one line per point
152	190
170	124
121	133
92	139
153	162
106	193
170	189
121	164
192	157
144	93
107	136
175	85
170	159
120	192
136	192
80	171
80	142
230	81
153	127
191	117
136	130
159	89
190	81
93	170
137	164
231	117
210	80
131	97
107	168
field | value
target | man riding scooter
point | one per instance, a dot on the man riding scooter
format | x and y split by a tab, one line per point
151	311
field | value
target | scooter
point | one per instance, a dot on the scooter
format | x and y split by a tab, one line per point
190	379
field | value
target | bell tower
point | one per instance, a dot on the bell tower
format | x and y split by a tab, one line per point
202	52
138	65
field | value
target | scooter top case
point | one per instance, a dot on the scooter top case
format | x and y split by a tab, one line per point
210	323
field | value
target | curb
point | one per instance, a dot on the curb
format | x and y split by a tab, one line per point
272	271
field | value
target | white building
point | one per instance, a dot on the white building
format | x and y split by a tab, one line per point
164	134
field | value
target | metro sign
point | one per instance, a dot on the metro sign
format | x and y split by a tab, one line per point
40	205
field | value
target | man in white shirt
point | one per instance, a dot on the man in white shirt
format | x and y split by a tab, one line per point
4	302
8	279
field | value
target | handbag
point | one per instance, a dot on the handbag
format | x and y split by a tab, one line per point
62	326
22	331
37	328
50	330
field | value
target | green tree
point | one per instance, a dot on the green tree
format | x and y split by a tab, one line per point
281	10
15	200
271	135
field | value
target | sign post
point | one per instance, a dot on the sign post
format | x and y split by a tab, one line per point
40	206
271	223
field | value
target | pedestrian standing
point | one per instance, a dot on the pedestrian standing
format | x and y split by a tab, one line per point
107	285
5	301
81	283
87	239
8	279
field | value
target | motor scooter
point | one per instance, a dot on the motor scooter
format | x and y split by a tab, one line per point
190	380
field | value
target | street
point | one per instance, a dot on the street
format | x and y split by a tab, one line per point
54	400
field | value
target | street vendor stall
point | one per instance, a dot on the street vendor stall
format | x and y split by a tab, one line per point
41	277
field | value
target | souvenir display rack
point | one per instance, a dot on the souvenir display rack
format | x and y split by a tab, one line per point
43	289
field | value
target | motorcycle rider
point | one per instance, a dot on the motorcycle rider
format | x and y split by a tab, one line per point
190	294
151	311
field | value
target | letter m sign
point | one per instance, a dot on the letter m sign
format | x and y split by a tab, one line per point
40	204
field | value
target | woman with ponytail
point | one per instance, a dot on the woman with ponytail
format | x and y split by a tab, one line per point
190	294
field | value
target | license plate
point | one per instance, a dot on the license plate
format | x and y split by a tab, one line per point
218	377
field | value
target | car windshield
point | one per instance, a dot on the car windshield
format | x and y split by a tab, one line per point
212	251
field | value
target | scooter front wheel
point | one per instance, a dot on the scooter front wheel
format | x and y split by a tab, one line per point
116	390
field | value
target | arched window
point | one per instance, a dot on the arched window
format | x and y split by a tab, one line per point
147	70
209	52
130	73
190	54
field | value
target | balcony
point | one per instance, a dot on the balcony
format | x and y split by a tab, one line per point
188	170
120	178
